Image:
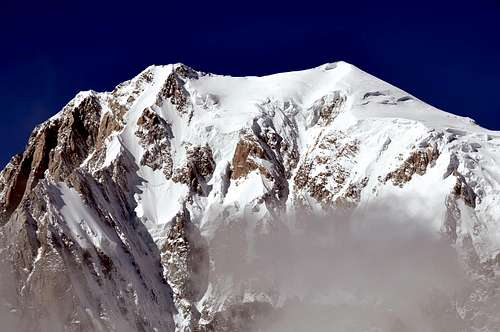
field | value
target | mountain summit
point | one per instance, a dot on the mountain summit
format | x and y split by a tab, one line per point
174	201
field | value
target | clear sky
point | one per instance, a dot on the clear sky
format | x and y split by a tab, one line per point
444	52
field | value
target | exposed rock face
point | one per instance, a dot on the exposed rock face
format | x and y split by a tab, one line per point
175	91
150	208
464	191
154	136
325	171
110	124
197	170
247	151
186	263
76	137
326	109
416	163
261	149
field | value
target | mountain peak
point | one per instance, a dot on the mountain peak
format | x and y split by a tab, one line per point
147	191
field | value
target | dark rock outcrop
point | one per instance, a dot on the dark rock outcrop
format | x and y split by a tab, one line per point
154	135
416	163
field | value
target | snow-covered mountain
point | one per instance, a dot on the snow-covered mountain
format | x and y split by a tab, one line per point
157	206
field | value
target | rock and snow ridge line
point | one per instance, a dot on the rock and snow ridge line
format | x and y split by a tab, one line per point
186	157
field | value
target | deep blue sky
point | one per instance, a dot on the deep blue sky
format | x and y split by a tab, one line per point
444	52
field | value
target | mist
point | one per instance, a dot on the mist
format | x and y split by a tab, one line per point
10	317
374	269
